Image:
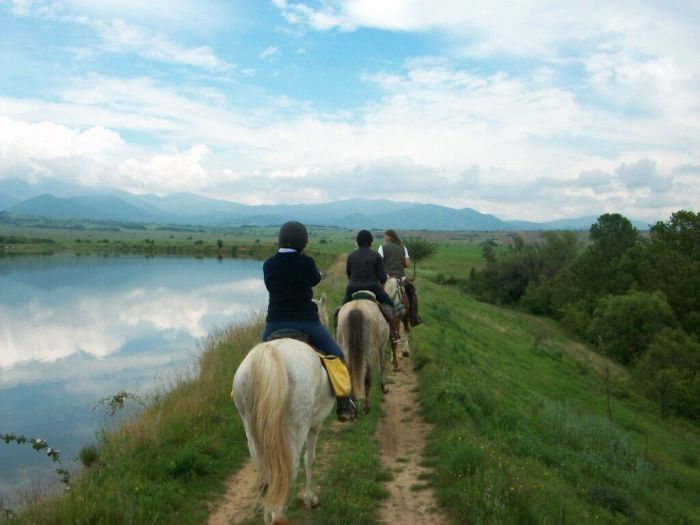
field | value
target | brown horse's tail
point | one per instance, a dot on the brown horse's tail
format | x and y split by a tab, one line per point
269	428
356	351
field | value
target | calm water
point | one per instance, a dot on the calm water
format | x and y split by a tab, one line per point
76	329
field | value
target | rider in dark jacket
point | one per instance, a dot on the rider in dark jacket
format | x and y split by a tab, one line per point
289	278
365	269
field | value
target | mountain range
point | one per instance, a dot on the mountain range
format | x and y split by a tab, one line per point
58	200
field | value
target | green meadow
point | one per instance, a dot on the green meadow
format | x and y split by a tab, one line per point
528	424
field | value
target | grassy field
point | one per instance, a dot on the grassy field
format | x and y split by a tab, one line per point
523	428
522	432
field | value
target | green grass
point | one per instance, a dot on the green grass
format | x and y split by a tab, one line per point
521	433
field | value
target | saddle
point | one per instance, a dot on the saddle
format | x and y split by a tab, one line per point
365	295
289	333
338	374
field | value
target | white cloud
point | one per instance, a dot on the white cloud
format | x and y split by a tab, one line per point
123	28
46	140
121	37
176	171
269	52
299	172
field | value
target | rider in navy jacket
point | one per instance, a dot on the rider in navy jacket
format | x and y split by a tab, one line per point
289	278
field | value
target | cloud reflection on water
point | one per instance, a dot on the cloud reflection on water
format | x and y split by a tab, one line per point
103	323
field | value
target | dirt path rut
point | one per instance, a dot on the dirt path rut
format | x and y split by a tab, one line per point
239	504
402	437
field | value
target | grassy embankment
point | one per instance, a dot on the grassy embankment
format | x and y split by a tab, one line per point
521	433
521	426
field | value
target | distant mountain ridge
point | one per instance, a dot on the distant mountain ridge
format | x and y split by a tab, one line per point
75	202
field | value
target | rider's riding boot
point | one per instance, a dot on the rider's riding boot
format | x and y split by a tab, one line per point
389	313
346	409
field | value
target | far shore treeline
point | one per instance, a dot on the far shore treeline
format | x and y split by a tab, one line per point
635	298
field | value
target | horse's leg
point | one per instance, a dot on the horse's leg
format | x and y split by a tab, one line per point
382	383
368	384
407	331
394	346
310	496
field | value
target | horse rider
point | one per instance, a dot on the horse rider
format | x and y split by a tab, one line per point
365	269
289	277
396	259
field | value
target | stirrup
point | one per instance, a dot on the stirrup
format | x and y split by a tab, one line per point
346	410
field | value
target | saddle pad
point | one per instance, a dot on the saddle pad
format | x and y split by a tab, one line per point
364	294
337	374
287	333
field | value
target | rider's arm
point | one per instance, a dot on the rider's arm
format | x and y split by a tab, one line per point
406	261
311	273
379	270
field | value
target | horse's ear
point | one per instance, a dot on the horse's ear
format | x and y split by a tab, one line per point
323	298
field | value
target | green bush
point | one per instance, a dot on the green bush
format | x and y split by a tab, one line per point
669	372
623	326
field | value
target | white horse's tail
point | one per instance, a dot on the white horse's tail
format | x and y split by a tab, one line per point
270	386
356	358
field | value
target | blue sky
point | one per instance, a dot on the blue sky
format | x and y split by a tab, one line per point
534	111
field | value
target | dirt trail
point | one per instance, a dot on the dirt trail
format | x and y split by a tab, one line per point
402	437
239	504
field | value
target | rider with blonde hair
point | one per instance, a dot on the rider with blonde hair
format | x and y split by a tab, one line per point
396	259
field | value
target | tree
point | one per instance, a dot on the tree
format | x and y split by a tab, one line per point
669	372
419	249
612	235
624	326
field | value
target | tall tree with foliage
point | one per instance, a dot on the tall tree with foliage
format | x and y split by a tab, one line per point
419	249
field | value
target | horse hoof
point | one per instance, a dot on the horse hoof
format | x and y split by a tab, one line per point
406	353
385	389
312	502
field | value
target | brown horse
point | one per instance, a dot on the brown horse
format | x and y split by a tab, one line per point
396	291
362	334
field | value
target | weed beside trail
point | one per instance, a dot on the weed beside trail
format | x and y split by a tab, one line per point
521	427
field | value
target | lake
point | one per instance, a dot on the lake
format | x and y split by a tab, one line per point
74	330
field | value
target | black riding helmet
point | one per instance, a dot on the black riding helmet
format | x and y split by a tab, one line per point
293	235
364	238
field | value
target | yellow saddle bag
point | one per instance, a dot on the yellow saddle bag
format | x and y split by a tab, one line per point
338	375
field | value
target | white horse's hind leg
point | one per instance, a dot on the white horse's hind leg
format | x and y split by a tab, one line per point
310	496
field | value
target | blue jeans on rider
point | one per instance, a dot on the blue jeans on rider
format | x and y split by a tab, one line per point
319	337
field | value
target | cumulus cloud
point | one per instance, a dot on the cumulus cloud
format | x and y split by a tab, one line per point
643	174
43	140
170	172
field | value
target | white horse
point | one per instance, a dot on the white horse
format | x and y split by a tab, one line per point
283	395
362	334
397	293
